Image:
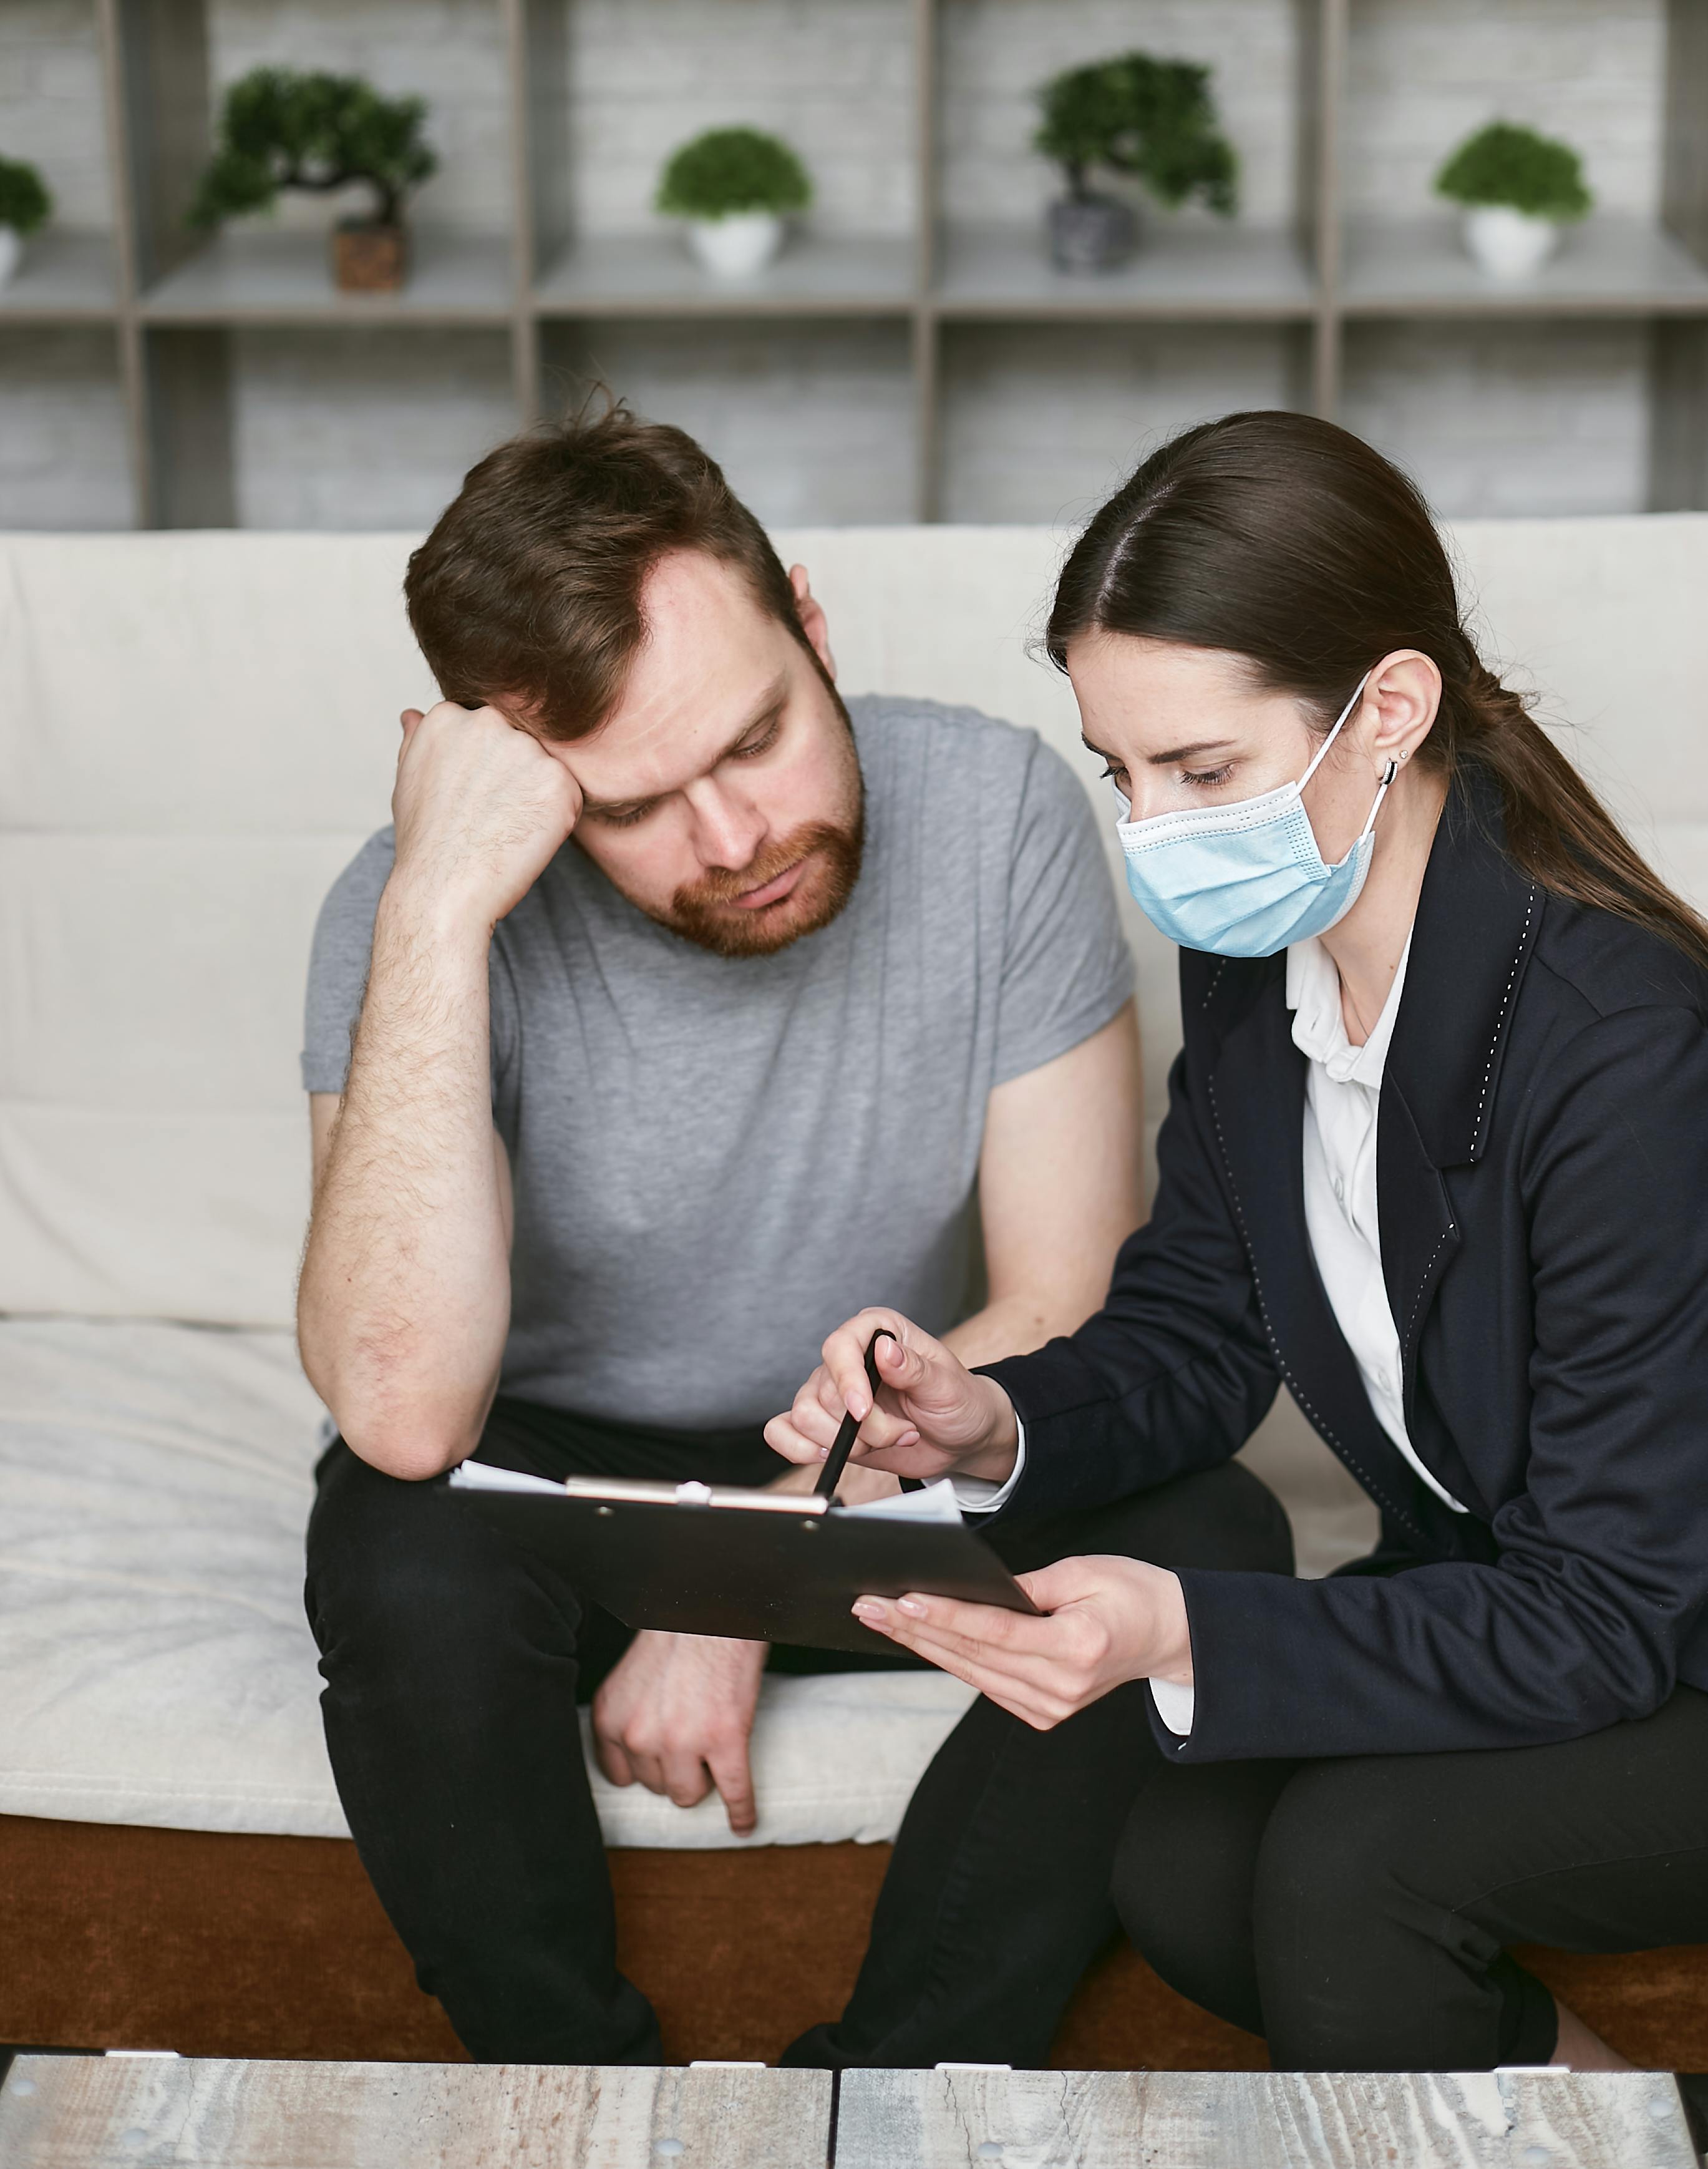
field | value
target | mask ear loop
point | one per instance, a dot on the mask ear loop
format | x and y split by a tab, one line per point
1388	775
1321	751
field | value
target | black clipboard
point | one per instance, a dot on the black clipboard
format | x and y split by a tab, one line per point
759	1566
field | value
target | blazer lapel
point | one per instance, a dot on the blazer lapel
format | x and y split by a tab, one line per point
1477	922
1477	917
1418	1231
1256	1097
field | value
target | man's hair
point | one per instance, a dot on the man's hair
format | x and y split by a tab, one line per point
527	591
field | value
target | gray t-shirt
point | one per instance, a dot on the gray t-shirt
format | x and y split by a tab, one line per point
718	1159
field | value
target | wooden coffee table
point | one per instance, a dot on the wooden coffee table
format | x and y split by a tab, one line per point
967	2119
124	2113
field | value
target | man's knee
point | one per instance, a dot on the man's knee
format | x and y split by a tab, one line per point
399	1573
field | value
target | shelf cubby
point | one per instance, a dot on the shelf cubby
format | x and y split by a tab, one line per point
1117	387
65	454
882	367
813	418
67	277
340	429
1497	416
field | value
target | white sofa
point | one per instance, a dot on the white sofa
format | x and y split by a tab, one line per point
195	732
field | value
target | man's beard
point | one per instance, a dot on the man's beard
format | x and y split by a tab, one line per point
705	911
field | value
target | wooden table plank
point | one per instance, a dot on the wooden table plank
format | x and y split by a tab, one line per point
118	2112
966	2119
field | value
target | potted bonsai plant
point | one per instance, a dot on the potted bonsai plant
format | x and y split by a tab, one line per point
280	129
24	208
733	188
1153	120
1519	189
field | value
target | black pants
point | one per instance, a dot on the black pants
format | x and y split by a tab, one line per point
453	1660
1357	1913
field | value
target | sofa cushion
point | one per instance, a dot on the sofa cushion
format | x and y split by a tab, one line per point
154	1484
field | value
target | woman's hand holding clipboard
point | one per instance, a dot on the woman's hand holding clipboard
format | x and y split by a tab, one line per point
920	1412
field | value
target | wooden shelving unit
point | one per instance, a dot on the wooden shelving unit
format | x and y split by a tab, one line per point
174	302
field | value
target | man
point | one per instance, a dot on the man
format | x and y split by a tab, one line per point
682	1010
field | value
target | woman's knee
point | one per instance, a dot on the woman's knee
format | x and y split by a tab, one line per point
1336	1834
1360	1966
1182	1883
1223	1518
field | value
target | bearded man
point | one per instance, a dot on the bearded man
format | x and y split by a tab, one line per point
683	1009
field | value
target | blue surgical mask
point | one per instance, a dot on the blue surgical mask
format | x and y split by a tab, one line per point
1246	879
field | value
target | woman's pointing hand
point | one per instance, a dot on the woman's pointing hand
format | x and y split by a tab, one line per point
933	1415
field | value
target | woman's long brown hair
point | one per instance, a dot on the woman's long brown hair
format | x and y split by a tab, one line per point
1291	543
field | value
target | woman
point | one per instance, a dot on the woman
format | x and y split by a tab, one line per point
1436	1156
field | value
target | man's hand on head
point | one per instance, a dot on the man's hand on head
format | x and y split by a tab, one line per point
676	1714
482	807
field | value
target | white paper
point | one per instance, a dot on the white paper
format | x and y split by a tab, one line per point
480	1476
935	1503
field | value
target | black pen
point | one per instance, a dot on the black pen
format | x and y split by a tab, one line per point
837	1459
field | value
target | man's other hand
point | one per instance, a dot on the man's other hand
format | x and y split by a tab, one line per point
676	1714
481	808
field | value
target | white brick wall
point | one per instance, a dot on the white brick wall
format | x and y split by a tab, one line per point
449	51
50	102
997	52
813	423
1424	73
63	459
1040	424
1506	418
363	429
834	79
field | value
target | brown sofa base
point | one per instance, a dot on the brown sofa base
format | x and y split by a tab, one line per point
222	1945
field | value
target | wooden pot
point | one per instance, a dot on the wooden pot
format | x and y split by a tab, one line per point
369	258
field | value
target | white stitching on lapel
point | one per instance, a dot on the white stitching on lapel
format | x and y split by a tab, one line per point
1424	1283
1494	1044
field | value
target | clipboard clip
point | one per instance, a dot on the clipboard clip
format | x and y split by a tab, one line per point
837	1459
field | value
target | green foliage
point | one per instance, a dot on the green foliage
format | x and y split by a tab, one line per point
24	202
1505	164
729	170
1153	119
280	129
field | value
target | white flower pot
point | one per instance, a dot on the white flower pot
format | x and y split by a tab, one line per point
11	253
1509	244
738	246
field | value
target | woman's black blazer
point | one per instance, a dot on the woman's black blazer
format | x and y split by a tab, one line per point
1542	1177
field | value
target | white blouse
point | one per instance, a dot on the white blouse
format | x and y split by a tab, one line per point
1343	1089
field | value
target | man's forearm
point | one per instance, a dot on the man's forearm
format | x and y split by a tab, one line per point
1016	1324
404	1302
